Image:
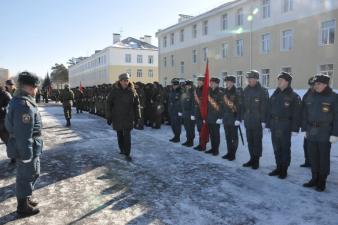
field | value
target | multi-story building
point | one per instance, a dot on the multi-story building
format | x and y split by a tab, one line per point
4	75
298	36
137	57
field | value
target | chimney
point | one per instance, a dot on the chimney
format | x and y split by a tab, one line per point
182	17
147	39
116	38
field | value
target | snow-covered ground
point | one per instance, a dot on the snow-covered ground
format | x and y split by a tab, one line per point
85	181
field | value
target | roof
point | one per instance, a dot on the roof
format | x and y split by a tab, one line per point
197	18
134	44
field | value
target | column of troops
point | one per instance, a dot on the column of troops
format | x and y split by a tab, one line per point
283	115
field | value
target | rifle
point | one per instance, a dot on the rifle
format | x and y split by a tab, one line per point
241	134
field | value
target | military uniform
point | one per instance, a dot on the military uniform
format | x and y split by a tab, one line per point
188	113
5	97
79	96
255	101
148	91
310	91
284	113
231	118
67	99
320	122
198	116
214	117
157	106
174	108
24	125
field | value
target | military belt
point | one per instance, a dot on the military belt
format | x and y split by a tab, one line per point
318	124
37	134
280	118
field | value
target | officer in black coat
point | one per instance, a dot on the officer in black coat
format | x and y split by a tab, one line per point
188	112
255	100
284	113
309	92
175	110
122	110
231	116
215	115
320	123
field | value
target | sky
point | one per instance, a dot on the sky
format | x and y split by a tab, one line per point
36	34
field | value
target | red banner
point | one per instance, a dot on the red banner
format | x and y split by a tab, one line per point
81	87
204	109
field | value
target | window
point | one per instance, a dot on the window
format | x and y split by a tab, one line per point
182	68
205	54
165	42
239	17
182	35
287	70
223	76
287	40
129	71
239	79
265	43
328	30
327	69
194	31
239	47
139	73
172	38
205	27
194	56
150	59
266	77
265	8
224	22
139	59
172	61
165	61
287	6
128	58
150	73
224	50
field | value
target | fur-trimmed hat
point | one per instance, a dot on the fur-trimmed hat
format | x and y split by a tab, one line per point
27	78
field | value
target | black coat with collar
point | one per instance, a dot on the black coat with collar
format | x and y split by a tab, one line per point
123	107
284	111
320	115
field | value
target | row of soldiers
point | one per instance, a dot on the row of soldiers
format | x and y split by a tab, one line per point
153	99
284	115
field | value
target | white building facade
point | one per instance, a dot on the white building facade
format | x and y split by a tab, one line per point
298	36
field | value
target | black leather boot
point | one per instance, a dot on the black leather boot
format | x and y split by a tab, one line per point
321	184
255	163
249	163
283	173
190	143
25	209
275	172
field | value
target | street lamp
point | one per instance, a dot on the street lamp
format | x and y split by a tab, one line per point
250	20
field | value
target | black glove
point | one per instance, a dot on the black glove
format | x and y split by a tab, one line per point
109	122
